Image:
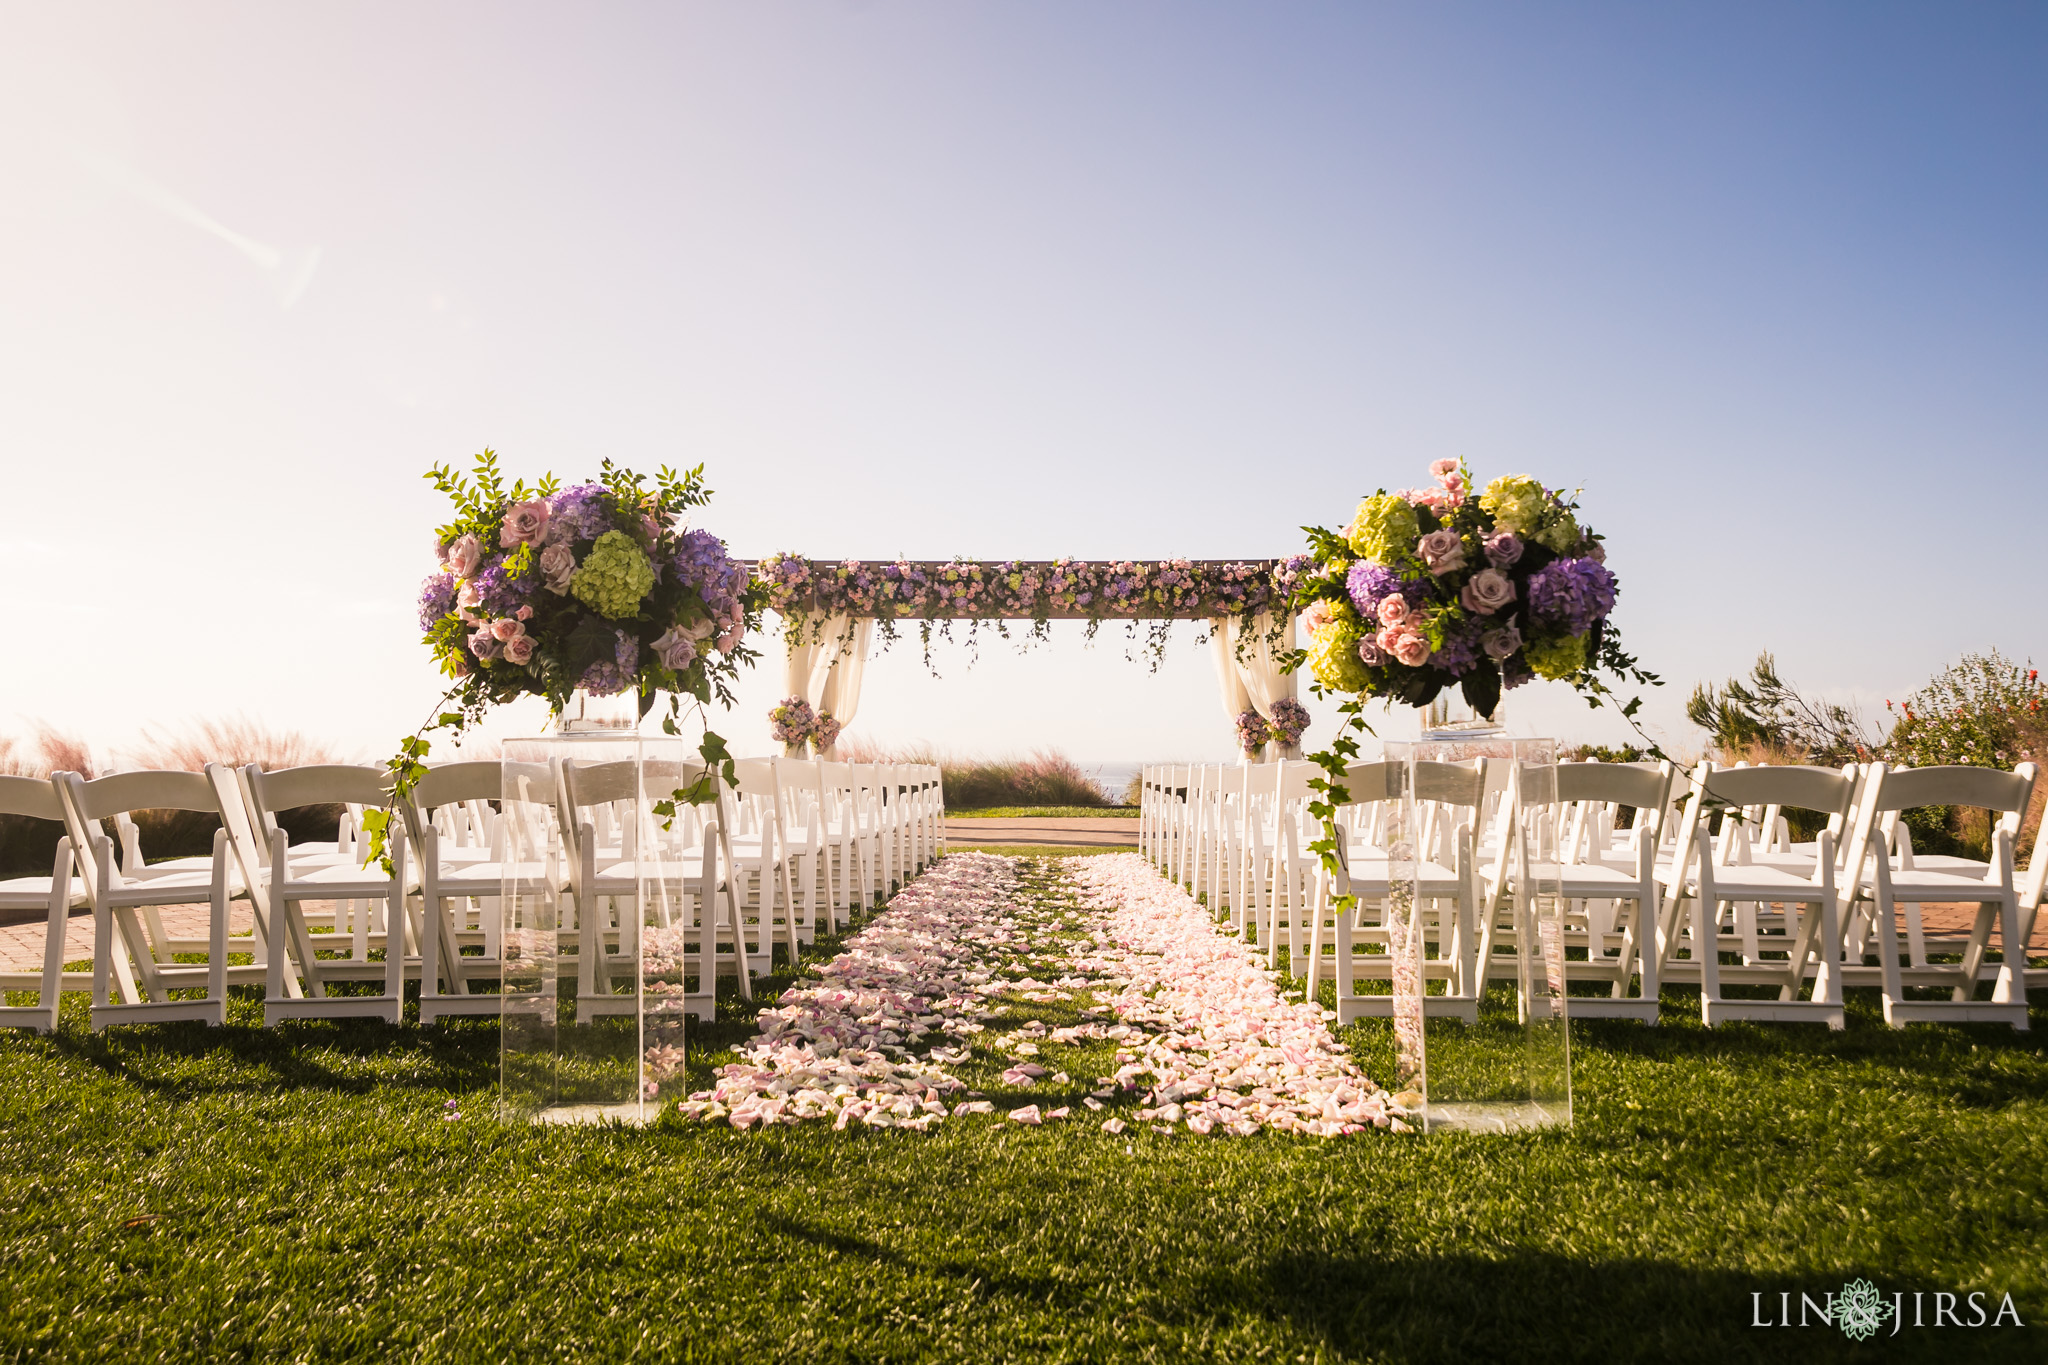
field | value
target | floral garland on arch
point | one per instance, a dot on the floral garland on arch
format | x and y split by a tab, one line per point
1432	587
1157	593
599	587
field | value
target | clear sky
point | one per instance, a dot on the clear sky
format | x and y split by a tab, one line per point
1134	279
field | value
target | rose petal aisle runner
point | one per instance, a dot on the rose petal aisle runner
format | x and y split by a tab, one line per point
1222	1049
983	984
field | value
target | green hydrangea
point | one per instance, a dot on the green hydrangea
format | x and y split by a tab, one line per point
1517	503
1333	657
1560	531
1556	656
614	576
1384	529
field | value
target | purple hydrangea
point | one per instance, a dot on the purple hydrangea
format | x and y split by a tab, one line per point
1370	583
702	564
1515	671
1573	593
437	598
607	677
580	513
503	594
1461	649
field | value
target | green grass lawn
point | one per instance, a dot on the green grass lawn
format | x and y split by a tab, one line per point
180	1193
1044	813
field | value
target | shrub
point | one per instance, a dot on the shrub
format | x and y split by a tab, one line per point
27	845
1768	715
1985	711
1045	777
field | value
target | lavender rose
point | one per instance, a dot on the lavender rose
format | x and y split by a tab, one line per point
484	645
1370	654
557	567
1499	644
676	649
1503	548
1488	591
525	523
1442	551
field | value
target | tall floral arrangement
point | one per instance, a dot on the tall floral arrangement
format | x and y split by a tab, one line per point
1434	587
1439	586
599	587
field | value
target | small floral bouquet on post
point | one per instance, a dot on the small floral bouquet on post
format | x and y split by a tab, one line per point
1290	722
595	588
1252	731
792	721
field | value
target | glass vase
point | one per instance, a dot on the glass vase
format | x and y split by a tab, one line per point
587	713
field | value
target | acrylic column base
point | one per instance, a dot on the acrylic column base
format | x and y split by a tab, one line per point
1482	1039
598	917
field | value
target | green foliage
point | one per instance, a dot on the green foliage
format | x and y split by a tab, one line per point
1768	713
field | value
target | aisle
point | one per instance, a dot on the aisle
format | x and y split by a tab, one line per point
992	985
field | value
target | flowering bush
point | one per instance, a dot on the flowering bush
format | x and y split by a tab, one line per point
1984	711
1430	587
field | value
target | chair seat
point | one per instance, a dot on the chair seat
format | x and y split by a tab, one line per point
484	879
1932	884
33	893
343	882
1758	884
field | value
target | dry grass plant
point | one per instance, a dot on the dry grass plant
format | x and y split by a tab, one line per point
1044	777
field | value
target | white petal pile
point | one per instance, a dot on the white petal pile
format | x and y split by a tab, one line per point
1223	1051
839	1047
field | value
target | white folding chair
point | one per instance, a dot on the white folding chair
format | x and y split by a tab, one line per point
55	896
135	969
303	964
1991	885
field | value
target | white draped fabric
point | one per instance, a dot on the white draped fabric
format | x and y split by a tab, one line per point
826	669
1248	667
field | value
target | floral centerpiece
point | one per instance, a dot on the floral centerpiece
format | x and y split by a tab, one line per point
1434	587
597	588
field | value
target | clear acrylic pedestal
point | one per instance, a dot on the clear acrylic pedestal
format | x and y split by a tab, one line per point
600	912
1509	1067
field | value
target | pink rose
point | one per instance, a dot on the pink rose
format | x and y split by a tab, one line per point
1406	644
524	613
467	596
1319	614
730	638
464	555
484	646
507	629
676	649
1442	550
519	649
1435	499
557	567
1488	592
525	523
1499	644
1442	469
1454	489
1393	610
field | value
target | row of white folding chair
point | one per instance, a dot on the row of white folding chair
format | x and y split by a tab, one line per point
135	960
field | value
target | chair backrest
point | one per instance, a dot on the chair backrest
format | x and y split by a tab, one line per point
34	797
1822	790
119	793
1453	784
1367	782
599	784
1986	788
1621	784
471	780
317	785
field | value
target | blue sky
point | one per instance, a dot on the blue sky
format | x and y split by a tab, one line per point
1014	280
